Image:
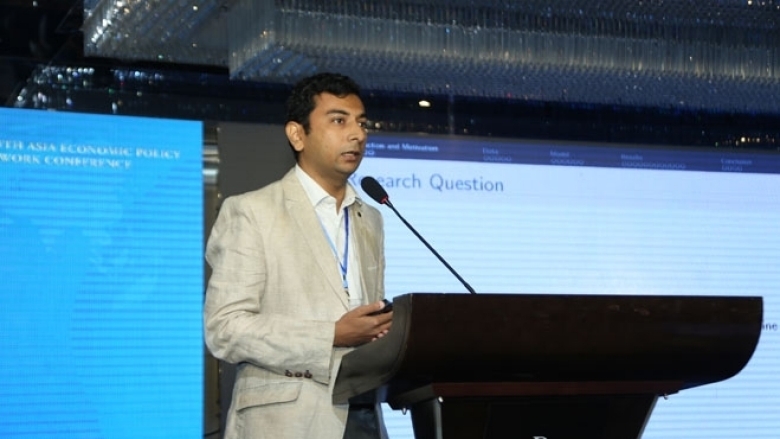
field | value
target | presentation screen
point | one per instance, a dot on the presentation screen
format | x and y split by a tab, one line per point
521	217
101	243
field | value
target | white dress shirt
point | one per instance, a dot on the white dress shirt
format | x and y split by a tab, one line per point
333	225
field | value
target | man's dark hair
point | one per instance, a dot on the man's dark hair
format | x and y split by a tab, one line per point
300	104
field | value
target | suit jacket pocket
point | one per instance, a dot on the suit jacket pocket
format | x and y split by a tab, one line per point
269	393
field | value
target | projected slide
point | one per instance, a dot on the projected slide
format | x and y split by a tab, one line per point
101	243
554	218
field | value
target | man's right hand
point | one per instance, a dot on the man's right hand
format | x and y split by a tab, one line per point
362	325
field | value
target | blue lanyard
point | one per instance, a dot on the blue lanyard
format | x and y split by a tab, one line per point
342	264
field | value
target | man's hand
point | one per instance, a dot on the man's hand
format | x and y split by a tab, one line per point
359	326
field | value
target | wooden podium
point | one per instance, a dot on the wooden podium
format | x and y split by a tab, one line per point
546	366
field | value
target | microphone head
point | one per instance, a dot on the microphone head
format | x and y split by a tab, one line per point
374	190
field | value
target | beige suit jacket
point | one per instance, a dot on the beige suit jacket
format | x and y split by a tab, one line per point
273	299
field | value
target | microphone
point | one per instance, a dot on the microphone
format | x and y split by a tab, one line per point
379	194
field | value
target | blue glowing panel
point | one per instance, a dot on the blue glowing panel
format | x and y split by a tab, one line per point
101	241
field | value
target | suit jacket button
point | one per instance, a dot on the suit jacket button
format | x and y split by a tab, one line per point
287	373
298	374
307	374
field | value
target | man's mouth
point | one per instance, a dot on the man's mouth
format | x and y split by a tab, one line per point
354	154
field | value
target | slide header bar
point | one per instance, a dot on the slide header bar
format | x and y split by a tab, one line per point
571	154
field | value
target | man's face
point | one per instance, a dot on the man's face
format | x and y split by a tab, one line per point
333	148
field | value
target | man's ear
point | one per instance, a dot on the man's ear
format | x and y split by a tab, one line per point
295	135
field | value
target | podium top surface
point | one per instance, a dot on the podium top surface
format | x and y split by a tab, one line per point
531	338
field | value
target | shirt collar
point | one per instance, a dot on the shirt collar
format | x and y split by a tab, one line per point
317	195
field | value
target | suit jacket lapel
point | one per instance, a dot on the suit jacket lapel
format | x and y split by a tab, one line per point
305	218
365	252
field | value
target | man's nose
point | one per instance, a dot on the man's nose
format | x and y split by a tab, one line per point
358	132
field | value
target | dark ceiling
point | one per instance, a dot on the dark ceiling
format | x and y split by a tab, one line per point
49	33
34	33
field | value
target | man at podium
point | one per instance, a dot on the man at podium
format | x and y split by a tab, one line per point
298	277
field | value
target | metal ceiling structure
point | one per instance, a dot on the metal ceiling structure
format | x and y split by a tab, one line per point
719	55
661	72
